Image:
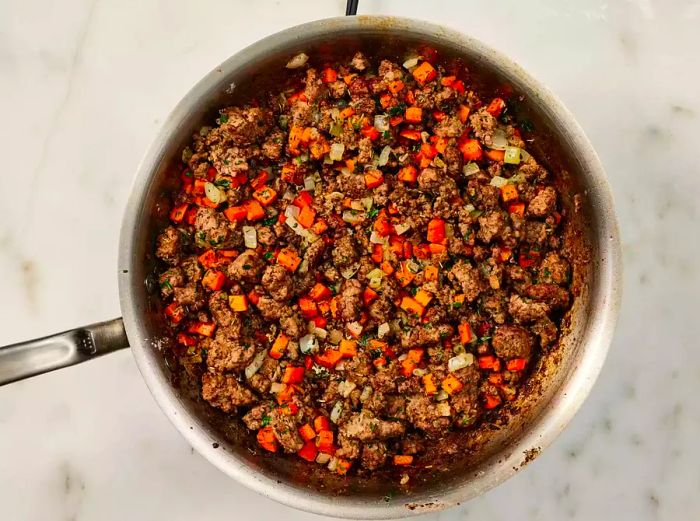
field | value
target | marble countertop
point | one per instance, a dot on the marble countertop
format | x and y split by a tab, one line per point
84	86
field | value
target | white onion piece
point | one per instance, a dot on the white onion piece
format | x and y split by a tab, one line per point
340	366
381	122
309	183
499	140
250	237
335	336
333	464
322	458
441	396
346	387
337	411
419	372
348	272
288	195
469	207
298	61
292	211
276	387
410	63
304	266
384	156
213	193
375	238
308	344
376	273
449	231
255	365
512	155
336	153
366	393
443	408
401	228
367	203
383	329
424	136
470	168
498	181
375	283
525	156
353	217
460	361
355	329
356	204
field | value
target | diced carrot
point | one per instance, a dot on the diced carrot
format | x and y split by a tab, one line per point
260	179
408	174
465	330
396	86
369	296
387	267
328	75
385	100
429	384
322	423
213	280
308	307
487	362
496	379
504	254
346	112
208	259
334	307
439	115
279	346
382	225
496	107
253	297
343	466
410	97
325	441
186	340
191	215
266	439
412	306
428	151
527	258
254	212
395	121
320	292
290	173
238	303
289	258
319	148
436	230
451	385
373	178
306	216
307	432
403	460
516	364
175	313
177	214
320	322
430	273
349	77
447	81
308	451
202	328
471	149
495	155
517	209
407	250
329	358
413	135
293	375
370	132
319	227
236	213
228	254
458	86
423	297
509	193
421	251
286	394
414	114
324	307
198	188
295	137
424	73
265	195
348	348
437	249
404	275
492	401
377	253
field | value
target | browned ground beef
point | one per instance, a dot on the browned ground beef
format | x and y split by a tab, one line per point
361	310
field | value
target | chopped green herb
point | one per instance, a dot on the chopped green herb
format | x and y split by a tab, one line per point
373	213
223	119
397	110
266	420
268	255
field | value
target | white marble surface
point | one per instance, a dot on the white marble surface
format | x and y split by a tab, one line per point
85	84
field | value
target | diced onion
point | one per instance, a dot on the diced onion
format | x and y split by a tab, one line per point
348	272
498	181
337	411
366	393
250	237
288	195
336	130
441	396
320	333
335	336
333	464
512	156
470	168
340	366
308	344
438	162
255	365
376	273
375	283
459	349
524	155
276	387
381	122
346	387
383	329
517	178
213	193
443	409
298	61
356	204
291	211
309	183
353	217
401	228
322	458
367	203
424	136
449	231
304	266
410	63
469	207
384	156
355	329
336	152
375	238
460	361
499	141
419	372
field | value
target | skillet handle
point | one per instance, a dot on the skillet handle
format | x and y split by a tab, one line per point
34	357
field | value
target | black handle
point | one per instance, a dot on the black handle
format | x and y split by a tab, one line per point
351	8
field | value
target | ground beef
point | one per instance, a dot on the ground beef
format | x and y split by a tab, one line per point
387	303
224	392
512	342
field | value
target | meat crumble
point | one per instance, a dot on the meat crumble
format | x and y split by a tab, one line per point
363	264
